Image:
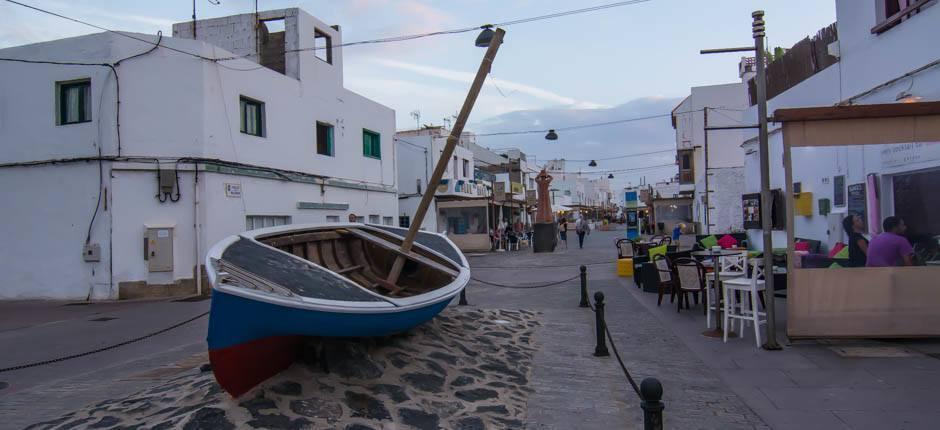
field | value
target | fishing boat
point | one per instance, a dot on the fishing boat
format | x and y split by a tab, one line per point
273	287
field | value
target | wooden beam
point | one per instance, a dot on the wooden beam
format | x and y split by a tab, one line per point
448	151
885	110
893	20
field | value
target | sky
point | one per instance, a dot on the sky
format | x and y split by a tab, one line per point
631	61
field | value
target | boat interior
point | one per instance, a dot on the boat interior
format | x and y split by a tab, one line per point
366	256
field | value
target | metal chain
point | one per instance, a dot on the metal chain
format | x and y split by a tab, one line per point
525	287
613	346
542	267
95	351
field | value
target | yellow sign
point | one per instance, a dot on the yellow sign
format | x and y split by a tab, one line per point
516	188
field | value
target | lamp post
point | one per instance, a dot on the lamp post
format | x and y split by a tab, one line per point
758	33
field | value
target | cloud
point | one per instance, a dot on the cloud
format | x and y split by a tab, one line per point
499	84
594	142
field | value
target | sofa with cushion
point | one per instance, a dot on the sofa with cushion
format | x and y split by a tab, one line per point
738	237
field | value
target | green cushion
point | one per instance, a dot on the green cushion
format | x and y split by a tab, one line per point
709	241
835	266
658	250
843	254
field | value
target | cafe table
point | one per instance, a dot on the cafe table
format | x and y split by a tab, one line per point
716	261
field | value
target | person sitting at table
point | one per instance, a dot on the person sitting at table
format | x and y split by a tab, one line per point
858	244
890	248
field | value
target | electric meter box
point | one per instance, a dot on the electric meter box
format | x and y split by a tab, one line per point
158	248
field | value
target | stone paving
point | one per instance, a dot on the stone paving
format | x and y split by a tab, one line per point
574	389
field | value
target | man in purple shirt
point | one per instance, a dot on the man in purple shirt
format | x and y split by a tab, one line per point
890	248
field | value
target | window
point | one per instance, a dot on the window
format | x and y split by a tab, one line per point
387	220
252	116
371	144
373	219
686	162
324	139
404	221
466	168
332	218
455	167
418	185
890	13
323	46
260	221
73	102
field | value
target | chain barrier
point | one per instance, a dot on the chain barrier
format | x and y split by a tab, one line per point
543	267
524	287
106	348
623	366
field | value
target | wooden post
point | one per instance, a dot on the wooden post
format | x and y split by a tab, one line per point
446	154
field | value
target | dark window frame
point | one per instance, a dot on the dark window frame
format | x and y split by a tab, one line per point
888	13
374	149
243	103
317	35
330	144
84	114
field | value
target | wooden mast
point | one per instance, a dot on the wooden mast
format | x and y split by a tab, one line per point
446	154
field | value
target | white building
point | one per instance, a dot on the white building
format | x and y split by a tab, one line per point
711	163
877	60
577	191
204	149
417	153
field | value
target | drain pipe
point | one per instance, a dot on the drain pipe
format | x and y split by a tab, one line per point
198	269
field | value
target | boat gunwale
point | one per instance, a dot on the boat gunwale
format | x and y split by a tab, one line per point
389	304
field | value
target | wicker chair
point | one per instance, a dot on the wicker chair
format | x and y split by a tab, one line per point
625	248
691	274
667	278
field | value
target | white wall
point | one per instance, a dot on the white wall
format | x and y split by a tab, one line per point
172	106
866	61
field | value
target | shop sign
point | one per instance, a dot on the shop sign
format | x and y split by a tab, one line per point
904	154
517	188
499	191
530	197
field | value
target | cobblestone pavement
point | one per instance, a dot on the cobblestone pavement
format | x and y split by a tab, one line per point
572	388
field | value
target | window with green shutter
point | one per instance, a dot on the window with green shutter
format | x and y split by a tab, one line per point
371	144
325	139
73	102
252	116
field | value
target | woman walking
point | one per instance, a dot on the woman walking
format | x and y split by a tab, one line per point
563	230
582	228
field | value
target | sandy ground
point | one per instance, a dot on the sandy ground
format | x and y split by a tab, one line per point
466	369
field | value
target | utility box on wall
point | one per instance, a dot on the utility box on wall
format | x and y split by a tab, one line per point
158	248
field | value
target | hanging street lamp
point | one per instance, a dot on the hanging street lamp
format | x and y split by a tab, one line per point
551	135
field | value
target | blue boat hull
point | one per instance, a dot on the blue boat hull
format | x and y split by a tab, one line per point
250	340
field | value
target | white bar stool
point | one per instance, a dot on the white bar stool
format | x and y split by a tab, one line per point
744	307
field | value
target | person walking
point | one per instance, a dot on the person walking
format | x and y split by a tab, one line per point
890	248
582	228
563	230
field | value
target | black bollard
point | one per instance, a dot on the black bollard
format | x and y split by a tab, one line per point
601	349
463	297
584	296
651	391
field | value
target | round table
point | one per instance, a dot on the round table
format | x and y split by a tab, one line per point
716	258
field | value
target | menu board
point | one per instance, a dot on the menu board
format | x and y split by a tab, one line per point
751	205
838	190
857	200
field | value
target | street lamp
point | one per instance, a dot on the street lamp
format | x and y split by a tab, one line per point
551	135
592	163
485	36
610	176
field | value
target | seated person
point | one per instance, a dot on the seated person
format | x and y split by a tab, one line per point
890	248
858	245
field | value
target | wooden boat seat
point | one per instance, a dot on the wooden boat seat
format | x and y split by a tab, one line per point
397	249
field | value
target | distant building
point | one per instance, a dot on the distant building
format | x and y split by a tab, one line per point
271	132
459	208
711	163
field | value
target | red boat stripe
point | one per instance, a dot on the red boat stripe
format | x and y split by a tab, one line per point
239	368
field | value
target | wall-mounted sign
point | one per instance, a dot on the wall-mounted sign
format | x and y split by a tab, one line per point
517	188
857	200
838	190
530	197
499	191
751	205
233	190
